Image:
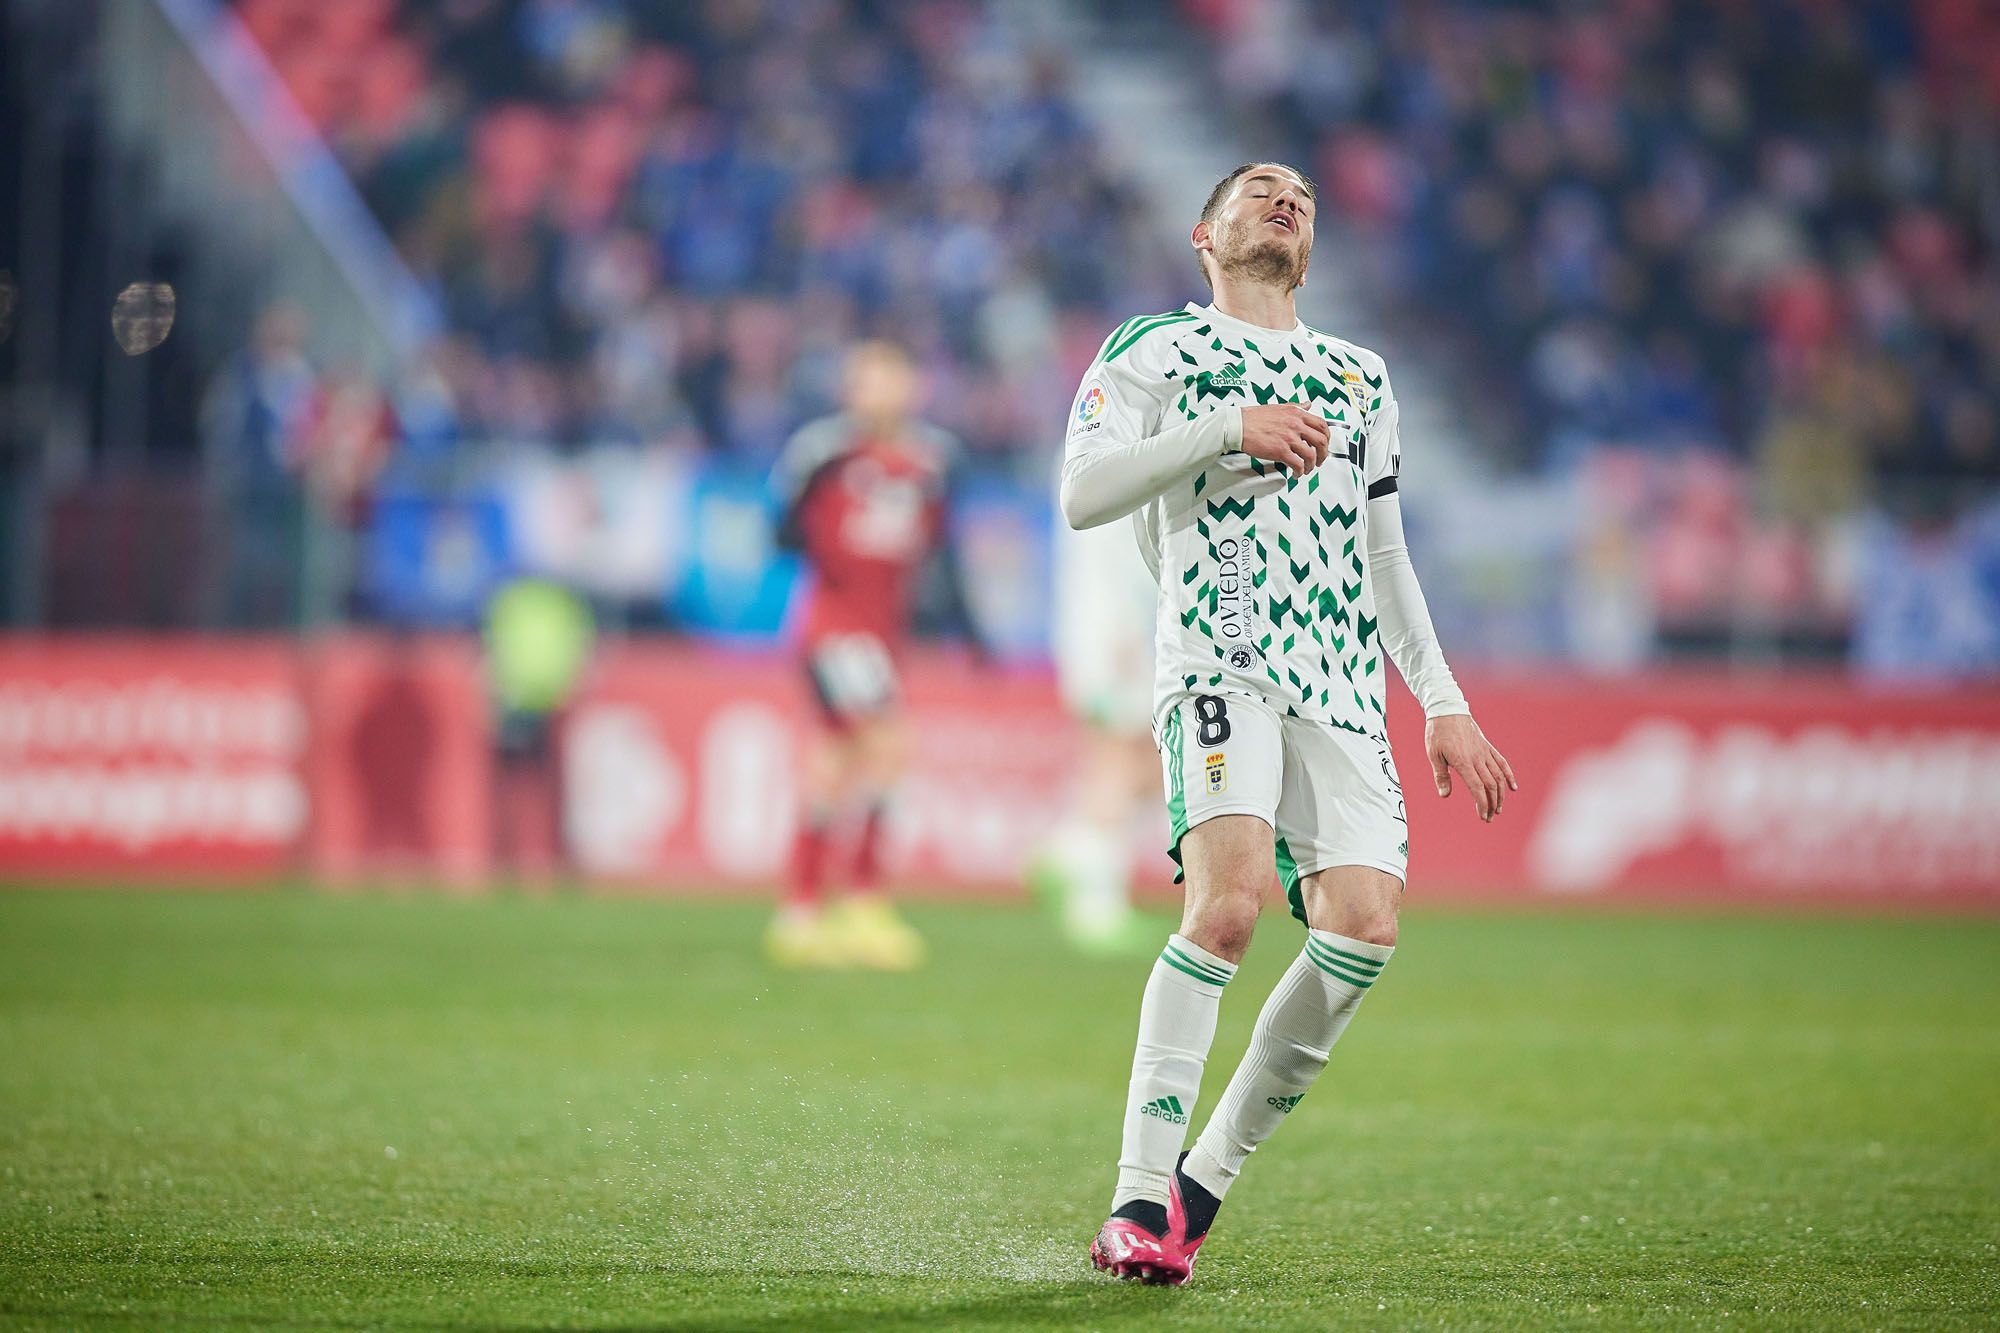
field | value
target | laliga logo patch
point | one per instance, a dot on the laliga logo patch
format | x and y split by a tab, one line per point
1217	768
1090	408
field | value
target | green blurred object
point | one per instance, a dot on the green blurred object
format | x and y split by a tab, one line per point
1126	934
539	636
284	1110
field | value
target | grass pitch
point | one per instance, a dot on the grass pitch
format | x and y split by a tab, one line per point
288	1110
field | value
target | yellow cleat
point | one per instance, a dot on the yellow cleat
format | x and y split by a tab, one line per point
802	942
875	935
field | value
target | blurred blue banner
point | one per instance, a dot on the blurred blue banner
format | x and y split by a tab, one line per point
737	582
436	560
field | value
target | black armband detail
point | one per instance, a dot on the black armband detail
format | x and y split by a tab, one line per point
1386	486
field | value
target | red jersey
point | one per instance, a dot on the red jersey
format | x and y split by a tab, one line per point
866	514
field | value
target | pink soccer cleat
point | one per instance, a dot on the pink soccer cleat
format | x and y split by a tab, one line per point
1125	1249
1176	1239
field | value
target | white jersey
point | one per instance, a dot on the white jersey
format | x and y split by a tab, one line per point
1264	587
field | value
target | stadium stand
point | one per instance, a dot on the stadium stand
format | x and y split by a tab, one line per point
1733	263
1723	276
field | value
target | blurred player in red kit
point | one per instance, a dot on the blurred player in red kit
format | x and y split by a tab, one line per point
864	495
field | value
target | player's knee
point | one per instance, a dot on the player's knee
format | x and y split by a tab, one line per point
1369	918
1374	928
1371	922
1222	918
1361	906
1232	929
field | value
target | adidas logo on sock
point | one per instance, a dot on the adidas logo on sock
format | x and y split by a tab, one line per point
1167	1109
1285	1104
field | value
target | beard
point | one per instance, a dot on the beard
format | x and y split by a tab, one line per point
1264	260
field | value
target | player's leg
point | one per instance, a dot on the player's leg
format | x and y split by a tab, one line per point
875	934
1086	868
1222	761
799	935
881	757
1102	636
1346	885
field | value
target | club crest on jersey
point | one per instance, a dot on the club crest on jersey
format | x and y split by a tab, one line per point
1241	658
1216	768
1221	383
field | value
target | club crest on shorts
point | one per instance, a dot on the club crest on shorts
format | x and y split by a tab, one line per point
1217	769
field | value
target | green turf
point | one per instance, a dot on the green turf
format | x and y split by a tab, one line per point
288	1110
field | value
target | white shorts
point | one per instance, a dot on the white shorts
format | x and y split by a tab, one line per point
1102	629
853	676
1331	796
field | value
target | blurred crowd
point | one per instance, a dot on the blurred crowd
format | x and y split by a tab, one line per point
1734	265
663	222
1726	272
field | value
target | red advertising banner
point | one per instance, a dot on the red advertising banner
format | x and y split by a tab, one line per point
367	758
177	758
1776	788
682	764
401	764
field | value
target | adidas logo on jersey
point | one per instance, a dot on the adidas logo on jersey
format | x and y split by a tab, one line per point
1223	382
1167	1109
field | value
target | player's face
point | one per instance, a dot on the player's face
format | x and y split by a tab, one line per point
881	386
1264	230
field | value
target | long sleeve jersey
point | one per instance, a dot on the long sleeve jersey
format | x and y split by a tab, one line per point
1280	588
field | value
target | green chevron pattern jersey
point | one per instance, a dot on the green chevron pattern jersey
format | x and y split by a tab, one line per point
1264	587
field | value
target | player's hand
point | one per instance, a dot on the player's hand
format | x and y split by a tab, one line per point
1288	435
1456	744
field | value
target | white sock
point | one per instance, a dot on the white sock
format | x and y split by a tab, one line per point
1176	1028
1308	1010
1095	862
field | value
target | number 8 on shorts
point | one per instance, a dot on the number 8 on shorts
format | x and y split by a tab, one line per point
1330	795
1223	756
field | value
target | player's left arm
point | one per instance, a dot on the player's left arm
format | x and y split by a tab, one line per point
1452	740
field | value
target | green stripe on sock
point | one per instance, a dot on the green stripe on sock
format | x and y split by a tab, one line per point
1339	975
1366	964
1179	966
1338	959
1339	970
1215	973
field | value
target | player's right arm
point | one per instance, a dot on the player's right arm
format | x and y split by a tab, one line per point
1114	462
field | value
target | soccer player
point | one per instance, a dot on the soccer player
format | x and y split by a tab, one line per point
1102	635
864	502
1260	456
